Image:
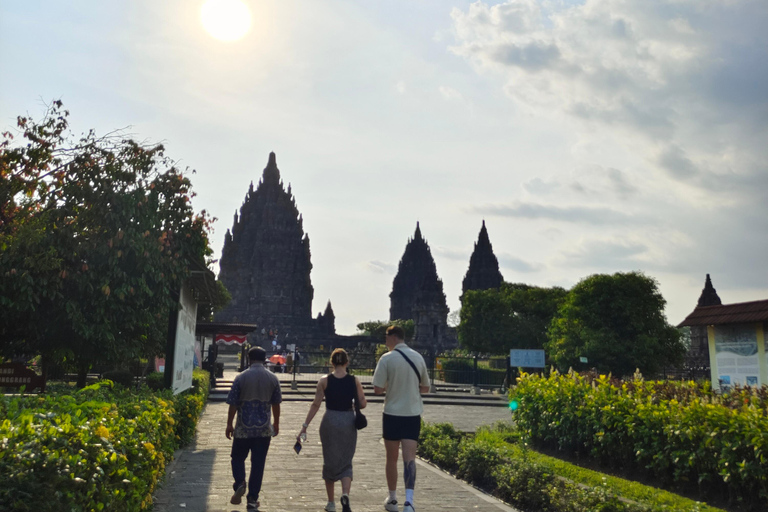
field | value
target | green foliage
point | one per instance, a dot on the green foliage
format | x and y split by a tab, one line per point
101	448
95	233
156	381
378	328
495	460
221	298
512	316
679	432
617	322
119	376
461	371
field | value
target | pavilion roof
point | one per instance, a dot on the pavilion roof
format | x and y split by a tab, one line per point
740	313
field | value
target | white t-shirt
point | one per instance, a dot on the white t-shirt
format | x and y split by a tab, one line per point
393	372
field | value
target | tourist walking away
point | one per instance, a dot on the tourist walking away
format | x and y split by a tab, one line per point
402	375
255	397
338	434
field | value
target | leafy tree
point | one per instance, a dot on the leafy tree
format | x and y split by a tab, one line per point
95	234
514	315
221	297
378	328
617	322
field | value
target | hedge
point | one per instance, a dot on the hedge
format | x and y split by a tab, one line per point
680	433
497	462
104	447
461	371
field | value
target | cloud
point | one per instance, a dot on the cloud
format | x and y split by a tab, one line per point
606	254
679	82
379	267
507	261
598	216
449	93
400	87
589	180
452	254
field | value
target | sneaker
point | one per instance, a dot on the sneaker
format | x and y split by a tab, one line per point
391	506
238	496
408	507
252	505
345	504
330	507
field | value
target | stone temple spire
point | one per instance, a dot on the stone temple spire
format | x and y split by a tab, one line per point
483	272
266	262
417	292
709	295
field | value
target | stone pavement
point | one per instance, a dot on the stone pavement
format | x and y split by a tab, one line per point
199	479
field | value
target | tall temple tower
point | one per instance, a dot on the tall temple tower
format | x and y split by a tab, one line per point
417	293
698	352
483	272
265	263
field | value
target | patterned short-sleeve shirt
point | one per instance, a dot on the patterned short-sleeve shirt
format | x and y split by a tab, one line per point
253	392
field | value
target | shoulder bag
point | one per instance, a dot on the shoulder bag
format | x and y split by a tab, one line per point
360	420
418	374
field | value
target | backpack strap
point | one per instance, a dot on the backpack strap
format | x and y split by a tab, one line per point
418	374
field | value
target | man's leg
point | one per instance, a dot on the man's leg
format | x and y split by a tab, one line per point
392	447
240	450
409	467
259	449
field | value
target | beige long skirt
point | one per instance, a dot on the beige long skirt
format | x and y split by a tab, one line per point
339	438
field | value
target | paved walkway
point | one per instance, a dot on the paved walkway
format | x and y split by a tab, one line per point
200	479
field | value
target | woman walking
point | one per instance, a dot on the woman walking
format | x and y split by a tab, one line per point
338	434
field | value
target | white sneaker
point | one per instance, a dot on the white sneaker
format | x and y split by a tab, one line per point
391	506
330	507
408	507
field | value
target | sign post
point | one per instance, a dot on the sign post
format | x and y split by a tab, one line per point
526	358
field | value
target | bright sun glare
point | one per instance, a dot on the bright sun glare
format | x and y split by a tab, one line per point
226	20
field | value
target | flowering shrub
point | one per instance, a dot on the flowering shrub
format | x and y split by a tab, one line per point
101	448
680	432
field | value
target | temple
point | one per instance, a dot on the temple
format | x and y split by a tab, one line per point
483	273
417	294
265	264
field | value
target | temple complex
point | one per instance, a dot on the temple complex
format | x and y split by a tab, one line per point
483	273
417	294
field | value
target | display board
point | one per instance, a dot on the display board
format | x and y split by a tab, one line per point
737	355
184	352
526	358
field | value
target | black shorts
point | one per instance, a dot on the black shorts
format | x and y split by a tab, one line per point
397	428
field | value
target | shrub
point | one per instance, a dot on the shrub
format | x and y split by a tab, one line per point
119	376
676	432
100	448
155	381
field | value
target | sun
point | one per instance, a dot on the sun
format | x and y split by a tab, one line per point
226	20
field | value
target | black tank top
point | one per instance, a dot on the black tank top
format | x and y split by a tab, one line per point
340	392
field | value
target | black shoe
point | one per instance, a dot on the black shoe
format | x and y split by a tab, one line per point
345	504
238	496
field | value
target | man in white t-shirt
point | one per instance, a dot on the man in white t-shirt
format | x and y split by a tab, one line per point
402	374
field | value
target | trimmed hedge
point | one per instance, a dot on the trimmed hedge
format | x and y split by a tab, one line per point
461	371
104	447
495	461
678	432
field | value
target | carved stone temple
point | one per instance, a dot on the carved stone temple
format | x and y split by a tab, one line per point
483	272
266	264
417	294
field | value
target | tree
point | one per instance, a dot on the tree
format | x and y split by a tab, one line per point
377	328
617	322
96	233
514	315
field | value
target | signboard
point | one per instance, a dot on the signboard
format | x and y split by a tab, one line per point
184	352
582	359
16	375
736	355
526	358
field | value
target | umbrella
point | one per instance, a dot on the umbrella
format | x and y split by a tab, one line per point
277	359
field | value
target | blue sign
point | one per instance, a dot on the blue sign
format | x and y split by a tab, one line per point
526	358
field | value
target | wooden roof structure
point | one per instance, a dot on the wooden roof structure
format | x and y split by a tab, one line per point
739	313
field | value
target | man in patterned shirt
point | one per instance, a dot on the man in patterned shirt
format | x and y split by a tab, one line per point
255	397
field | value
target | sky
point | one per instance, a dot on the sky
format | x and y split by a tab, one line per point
593	136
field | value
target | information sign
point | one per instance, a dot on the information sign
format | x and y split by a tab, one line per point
526	358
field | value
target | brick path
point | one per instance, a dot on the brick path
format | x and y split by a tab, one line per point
200	479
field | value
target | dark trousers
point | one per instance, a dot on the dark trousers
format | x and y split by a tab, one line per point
258	447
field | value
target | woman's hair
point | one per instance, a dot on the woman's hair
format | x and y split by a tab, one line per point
339	357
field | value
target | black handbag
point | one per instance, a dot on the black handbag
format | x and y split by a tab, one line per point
360	420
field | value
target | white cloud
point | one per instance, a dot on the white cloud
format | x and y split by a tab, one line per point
379	267
400	87
449	93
